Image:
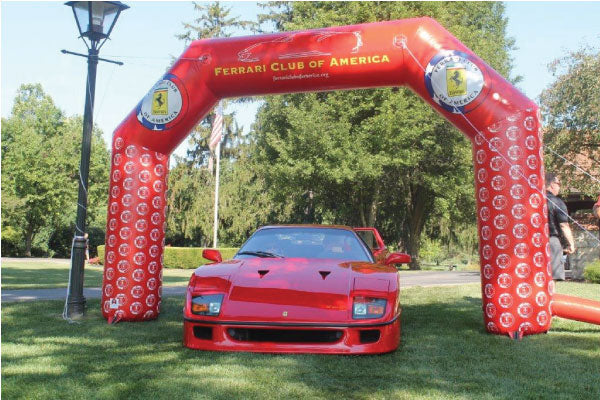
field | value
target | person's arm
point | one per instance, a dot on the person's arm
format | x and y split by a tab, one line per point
566	230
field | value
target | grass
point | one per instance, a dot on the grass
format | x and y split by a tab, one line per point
444	354
34	274
592	272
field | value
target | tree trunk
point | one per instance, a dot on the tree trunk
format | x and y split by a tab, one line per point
361	210
29	235
372	218
416	221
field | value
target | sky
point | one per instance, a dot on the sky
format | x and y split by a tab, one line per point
33	33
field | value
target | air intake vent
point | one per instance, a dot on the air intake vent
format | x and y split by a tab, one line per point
369	336
203	332
284	335
263	272
324	274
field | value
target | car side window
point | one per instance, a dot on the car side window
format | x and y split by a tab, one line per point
369	238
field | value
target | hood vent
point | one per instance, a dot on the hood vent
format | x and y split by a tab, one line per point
263	272
324	274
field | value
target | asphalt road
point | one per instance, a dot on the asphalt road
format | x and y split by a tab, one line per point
407	279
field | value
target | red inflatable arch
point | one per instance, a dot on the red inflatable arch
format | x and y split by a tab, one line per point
501	122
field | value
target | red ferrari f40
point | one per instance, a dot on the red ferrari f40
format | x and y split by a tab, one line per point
298	289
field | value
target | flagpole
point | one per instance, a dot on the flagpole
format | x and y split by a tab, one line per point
216	208
216	222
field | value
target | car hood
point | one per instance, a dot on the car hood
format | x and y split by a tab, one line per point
297	289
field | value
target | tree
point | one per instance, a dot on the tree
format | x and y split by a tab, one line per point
278	14
244	203
381	155
191	184
213	21
189	221
572	118
199	153
40	161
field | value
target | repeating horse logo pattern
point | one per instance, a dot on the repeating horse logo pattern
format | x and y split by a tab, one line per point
135	233
516	275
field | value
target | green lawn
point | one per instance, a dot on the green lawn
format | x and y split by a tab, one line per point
444	354
30	274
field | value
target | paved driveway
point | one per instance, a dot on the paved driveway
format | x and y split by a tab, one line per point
437	278
407	279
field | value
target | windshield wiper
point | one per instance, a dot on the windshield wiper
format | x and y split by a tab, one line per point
262	254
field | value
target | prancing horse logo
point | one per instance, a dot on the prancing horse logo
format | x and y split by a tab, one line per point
303	44
159	100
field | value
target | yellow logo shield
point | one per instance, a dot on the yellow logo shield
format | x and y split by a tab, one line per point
456	81
160	105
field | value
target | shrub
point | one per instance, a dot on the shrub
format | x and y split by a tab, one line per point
471	267
191	257
61	240
12	242
431	250
591	272
183	257
101	253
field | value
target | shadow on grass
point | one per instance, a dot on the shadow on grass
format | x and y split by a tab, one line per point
445	352
44	278
19	277
569	330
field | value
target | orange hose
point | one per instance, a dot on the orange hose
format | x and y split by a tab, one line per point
576	308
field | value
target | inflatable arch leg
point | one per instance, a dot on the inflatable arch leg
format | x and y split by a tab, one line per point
135	232
137	205
502	124
516	280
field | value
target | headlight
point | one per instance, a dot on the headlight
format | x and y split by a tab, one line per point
368	307
209	304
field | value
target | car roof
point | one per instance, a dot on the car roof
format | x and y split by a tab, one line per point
306	226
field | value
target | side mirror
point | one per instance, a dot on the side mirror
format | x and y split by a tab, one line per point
212	255
397	258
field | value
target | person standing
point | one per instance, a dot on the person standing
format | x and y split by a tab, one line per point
558	223
596	209
87	246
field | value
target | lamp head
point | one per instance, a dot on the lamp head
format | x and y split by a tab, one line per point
96	19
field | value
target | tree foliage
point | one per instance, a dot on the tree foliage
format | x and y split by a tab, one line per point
213	21
244	203
191	184
572	119
40	161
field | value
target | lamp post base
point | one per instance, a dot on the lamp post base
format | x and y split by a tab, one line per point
75	298
76	307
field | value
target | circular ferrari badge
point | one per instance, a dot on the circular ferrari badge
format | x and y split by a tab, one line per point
455	82
161	108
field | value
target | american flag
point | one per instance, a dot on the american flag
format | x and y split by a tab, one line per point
217	129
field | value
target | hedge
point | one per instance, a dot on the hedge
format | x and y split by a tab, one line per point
591	273
183	257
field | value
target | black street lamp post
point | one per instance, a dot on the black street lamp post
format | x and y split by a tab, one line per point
95	21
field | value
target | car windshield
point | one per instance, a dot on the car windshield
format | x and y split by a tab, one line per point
339	244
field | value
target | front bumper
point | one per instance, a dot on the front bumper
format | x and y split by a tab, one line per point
292	337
